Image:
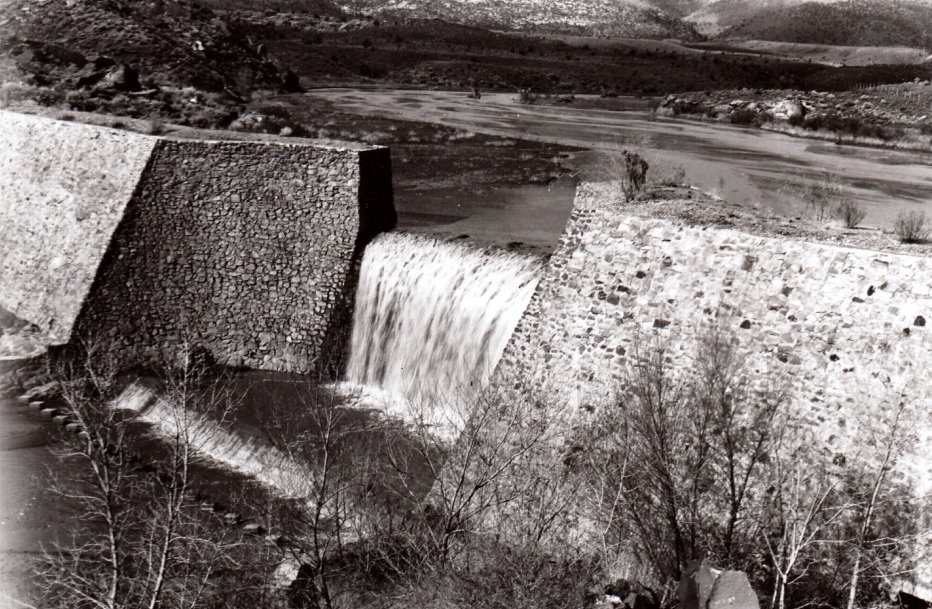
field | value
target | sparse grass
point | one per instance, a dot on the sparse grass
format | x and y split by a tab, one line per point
912	227
909	141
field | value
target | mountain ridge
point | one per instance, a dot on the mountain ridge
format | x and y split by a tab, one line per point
629	18
838	22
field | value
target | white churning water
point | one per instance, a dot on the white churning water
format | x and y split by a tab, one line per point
432	319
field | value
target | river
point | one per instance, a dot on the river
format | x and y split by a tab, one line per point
742	165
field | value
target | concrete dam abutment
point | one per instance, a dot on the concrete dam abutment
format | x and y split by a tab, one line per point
249	248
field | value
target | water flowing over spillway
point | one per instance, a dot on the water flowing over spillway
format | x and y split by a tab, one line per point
249	456
431	322
432	319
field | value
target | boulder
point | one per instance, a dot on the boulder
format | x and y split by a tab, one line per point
722	109
705	587
608	601
121	78
632	595
42	392
788	109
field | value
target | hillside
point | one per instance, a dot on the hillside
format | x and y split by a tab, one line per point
849	22
130	56
631	18
712	17
301	7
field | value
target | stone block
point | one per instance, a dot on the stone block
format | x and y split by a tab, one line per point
704	587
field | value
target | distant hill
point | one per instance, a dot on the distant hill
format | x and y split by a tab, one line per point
848	22
630	18
712	17
304	7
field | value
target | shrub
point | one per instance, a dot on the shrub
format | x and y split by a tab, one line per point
155	127
911	227
17	92
850	213
822	197
635	175
525	96
743	116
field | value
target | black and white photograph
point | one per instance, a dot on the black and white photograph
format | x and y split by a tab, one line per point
465	304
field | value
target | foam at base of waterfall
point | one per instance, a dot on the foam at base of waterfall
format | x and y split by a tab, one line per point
442	419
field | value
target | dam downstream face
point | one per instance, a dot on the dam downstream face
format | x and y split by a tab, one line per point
432	319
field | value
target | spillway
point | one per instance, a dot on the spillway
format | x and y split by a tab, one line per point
433	318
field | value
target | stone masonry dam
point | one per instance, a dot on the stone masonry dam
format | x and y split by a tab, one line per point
252	249
247	248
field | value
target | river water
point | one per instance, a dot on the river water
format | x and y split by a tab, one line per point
743	165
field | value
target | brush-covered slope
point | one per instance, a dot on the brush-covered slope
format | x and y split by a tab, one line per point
633	18
849	22
77	44
302	7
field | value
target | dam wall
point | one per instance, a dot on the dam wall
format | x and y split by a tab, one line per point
847	332
248	248
63	189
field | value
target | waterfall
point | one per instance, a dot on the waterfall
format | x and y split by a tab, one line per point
432	319
431	322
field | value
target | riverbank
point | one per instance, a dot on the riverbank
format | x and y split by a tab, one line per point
895	117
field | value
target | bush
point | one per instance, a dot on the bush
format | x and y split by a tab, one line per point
850	213
743	116
17	92
911	227
822	197
155	127
525	96
635	175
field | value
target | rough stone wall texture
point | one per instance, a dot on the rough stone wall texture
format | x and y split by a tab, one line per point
249	251
846	330
63	189
247	248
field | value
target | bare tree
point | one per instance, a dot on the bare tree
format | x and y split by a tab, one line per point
806	510
886	438
332	448
678	460
478	474
142	540
746	423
